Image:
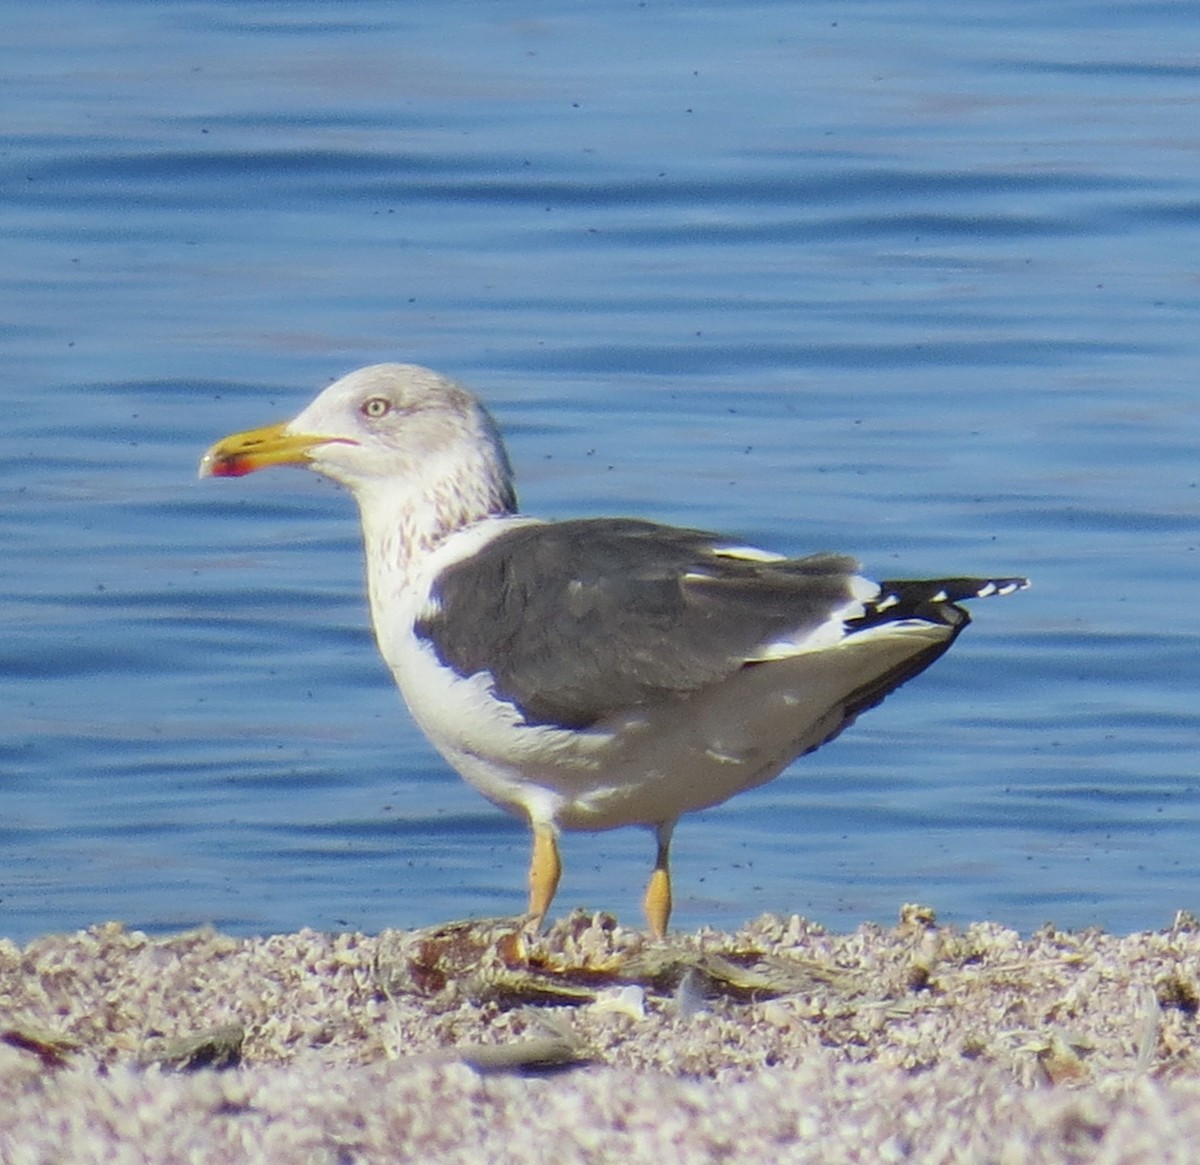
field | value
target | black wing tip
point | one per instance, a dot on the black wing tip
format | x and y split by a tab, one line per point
934	599
944	590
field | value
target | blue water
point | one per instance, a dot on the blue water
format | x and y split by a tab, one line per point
913	280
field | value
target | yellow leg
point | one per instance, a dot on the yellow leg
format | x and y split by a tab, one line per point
545	869
657	902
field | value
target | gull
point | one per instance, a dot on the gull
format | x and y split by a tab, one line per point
592	673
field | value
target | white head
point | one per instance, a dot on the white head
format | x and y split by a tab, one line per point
408	443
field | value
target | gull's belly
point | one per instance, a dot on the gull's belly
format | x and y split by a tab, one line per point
648	766
607	779
652	766
645	767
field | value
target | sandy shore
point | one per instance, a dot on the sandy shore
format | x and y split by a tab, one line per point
473	1043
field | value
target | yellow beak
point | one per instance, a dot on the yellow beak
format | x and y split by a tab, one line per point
243	453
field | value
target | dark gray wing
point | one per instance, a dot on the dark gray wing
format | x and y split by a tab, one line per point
577	620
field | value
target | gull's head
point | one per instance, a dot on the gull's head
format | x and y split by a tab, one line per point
379	427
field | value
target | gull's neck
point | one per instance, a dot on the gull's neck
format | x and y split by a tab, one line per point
407	520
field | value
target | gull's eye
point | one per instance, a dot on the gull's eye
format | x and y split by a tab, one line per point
375	407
